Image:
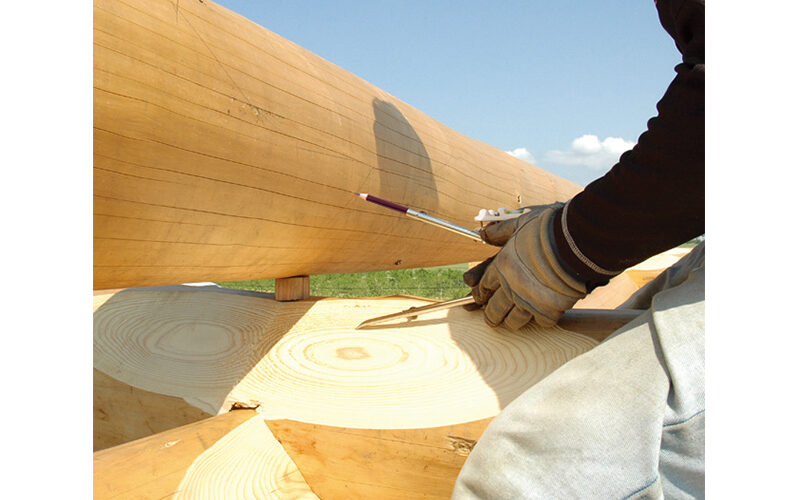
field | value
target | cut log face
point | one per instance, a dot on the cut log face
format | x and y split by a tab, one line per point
229	456
409	398
224	152
386	464
248	462
305	360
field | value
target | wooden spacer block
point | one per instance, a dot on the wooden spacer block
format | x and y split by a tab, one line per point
293	288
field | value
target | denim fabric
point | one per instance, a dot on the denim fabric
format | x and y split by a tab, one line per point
624	420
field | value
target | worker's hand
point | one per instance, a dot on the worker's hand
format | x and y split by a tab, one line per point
524	280
498	233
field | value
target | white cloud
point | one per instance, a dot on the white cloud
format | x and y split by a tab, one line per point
522	154
589	151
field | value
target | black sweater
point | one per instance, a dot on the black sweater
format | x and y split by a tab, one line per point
653	199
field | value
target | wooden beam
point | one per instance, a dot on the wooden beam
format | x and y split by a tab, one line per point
123	413
622	286
224	152
294	288
228	456
388	464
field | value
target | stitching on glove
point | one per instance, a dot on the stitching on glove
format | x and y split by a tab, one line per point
591	265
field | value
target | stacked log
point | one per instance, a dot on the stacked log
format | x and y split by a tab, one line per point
224	152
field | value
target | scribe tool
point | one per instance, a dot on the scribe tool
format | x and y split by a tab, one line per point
419	215
600	321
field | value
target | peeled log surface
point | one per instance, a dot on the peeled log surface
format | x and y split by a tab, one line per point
230	456
305	361
225	152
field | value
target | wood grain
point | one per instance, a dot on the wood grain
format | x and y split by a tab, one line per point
122	413
387	464
305	360
362	411
229	456
225	152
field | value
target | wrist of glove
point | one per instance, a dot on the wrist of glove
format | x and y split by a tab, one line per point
524	281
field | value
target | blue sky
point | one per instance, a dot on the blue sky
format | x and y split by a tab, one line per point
568	84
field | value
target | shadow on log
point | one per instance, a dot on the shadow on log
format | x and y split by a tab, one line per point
224	152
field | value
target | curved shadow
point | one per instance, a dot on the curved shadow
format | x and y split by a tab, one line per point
403	161
457	317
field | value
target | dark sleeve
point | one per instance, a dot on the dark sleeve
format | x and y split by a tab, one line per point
653	199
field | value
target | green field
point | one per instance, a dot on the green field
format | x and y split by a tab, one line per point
443	282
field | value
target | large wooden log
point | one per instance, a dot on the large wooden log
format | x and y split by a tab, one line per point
223	152
327	386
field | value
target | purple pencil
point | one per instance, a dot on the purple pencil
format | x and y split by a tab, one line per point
419	215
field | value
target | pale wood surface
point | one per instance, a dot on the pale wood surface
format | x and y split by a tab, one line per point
229	456
225	152
645	271
622	286
400	404
123	413
612	295
306	361
378	464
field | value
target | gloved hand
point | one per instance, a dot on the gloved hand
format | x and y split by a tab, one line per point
524	280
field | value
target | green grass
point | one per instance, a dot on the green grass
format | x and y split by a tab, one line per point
444	282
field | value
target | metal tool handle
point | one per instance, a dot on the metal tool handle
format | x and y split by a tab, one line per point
444	224
587	321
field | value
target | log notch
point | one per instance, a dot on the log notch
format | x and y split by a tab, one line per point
225	152
229	456
394	464
416	393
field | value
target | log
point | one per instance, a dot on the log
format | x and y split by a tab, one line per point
645	271
306	361
224	152
115	423
229	456
622	286
390	464
416	394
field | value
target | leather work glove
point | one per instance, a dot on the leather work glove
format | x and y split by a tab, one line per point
524	280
